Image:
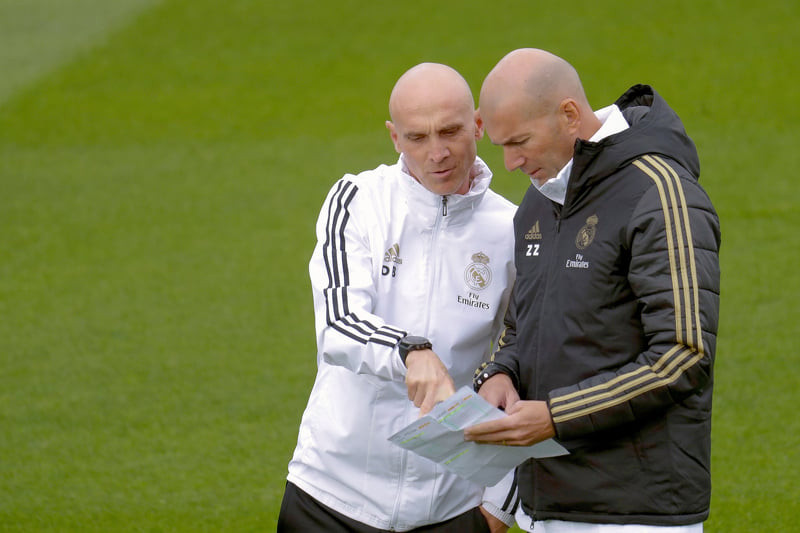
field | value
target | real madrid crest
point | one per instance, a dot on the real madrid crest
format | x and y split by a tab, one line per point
586	233
478	275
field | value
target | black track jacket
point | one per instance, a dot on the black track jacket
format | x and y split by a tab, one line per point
614	324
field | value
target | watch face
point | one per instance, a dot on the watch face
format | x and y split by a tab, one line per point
414	341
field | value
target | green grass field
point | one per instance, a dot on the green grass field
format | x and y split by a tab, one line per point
161	167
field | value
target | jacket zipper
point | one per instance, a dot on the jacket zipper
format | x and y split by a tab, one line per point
434	275
550	268
433	250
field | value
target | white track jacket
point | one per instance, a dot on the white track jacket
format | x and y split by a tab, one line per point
393	258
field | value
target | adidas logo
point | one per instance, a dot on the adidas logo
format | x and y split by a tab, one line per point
534	234
392	255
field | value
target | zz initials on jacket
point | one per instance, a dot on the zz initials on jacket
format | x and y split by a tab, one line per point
533	250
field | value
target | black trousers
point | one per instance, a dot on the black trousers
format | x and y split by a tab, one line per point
300	513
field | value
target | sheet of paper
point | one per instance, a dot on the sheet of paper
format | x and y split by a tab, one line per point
439	436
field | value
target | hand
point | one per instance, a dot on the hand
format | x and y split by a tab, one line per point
427	380
495	524
499	391
527	423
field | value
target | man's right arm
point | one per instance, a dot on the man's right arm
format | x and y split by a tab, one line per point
349	334
497	382
503	390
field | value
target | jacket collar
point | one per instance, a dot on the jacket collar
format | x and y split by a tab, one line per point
612	123
421	199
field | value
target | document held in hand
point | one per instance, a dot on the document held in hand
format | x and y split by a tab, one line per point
439	436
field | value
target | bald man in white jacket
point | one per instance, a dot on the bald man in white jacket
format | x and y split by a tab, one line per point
411	277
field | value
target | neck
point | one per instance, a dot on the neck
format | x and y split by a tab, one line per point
590	128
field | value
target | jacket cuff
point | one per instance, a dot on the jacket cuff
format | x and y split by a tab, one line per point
489	369
507	518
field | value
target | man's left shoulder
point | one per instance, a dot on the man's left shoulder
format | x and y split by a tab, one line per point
499	202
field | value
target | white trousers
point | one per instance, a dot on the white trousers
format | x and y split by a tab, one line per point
560	526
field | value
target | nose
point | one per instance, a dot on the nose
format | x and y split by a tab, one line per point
511	159
439	151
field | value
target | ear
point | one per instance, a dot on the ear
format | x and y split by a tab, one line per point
570	114
478	125
393	135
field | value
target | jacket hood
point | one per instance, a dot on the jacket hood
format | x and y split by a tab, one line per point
654	129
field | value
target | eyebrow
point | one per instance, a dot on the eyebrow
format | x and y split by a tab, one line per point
448	127
512	140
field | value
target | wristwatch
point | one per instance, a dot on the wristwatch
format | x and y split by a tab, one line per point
409	343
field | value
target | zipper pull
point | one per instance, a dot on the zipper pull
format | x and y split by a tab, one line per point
444	206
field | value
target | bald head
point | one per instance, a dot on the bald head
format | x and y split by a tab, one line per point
533	105
429	85
535	80
435	126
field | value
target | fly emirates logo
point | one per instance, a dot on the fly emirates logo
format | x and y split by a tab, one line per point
578	262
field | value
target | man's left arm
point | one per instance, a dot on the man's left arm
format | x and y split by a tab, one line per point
674	241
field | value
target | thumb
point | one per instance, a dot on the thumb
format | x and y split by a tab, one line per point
514	407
